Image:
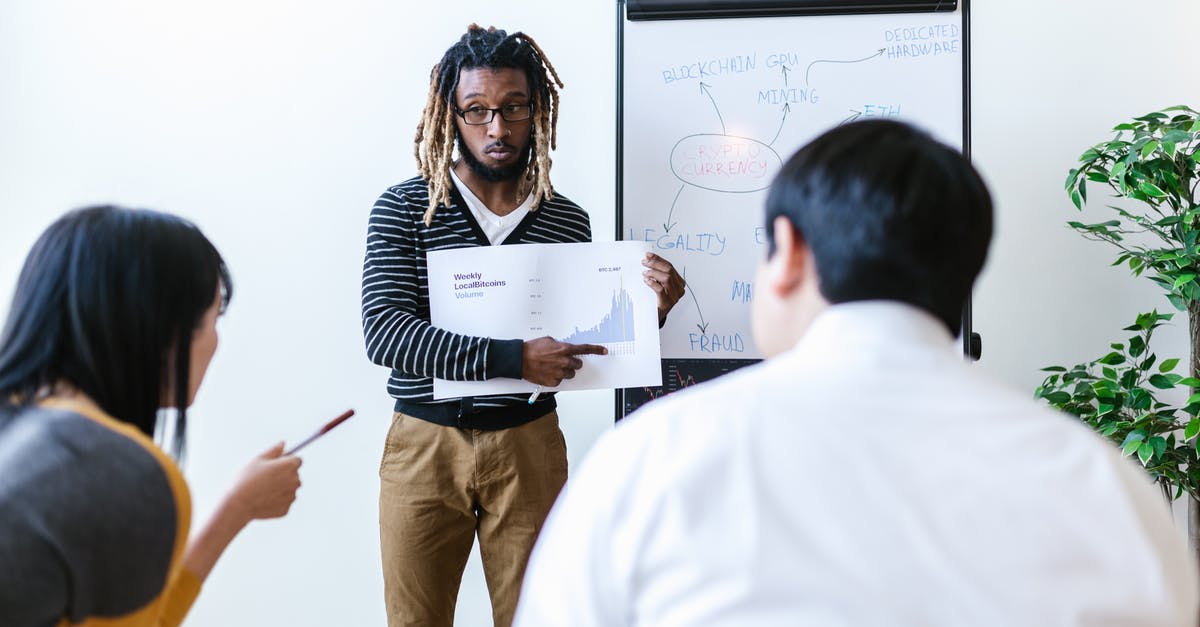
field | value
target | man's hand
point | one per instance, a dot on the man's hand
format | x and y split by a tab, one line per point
546	361
661	276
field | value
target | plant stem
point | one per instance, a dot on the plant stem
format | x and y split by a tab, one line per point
1193	518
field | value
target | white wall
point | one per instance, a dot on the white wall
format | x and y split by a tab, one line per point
1049	80
274	125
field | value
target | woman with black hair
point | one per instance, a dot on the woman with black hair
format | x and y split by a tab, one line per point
113	319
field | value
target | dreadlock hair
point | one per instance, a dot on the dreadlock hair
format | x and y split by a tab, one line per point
486	48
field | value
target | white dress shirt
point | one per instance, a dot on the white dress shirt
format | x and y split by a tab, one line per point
496	227
866	477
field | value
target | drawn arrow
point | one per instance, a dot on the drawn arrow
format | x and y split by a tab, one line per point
703	326
786	108
704	88
851	118
880	52
786	69
668	225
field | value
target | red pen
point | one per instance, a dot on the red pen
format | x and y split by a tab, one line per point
322	431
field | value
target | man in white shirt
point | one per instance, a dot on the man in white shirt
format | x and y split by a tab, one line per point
863	474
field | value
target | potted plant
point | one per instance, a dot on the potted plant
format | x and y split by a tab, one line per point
1117	395
1153	163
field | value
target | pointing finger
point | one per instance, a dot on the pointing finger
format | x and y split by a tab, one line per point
587	349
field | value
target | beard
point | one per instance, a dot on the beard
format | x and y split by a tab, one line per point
494	175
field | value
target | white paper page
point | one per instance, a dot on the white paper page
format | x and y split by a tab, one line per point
579	293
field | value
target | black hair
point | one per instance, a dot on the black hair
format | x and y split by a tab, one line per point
889	213
105	297
493	48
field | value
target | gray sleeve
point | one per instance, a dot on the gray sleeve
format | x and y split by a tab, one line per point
87	521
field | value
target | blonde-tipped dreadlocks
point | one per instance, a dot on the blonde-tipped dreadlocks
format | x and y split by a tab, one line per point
436	133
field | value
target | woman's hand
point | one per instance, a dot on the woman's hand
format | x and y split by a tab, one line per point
266	489
267	486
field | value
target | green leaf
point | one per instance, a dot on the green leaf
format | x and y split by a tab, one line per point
1161	382
1112	359
1072	176
1145	452
1140	400
1136	344
1192	429
1137	435
1129	447
1152	190
1178	134
1057	398
1190	382
1054	369
1117	174
1168	365
1195	398
1149	149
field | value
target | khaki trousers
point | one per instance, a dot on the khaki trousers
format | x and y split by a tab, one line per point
439	487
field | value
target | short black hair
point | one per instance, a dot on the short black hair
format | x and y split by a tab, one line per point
105	297
890	214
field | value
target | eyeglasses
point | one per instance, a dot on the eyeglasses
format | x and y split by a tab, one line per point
478	116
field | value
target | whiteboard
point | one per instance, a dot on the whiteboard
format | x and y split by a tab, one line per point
711	109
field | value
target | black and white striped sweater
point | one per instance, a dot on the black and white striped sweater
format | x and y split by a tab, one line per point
395	306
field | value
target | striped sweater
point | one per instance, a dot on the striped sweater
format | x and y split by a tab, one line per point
395	306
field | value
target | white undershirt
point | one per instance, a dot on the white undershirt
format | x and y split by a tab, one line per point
494	226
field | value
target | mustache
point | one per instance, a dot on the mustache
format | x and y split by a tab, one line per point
497	145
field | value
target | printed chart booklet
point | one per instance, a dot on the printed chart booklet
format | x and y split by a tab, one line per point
578	293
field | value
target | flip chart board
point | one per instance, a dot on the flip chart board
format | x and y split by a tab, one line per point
709	109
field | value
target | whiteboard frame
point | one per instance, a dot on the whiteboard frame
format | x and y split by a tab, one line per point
971	341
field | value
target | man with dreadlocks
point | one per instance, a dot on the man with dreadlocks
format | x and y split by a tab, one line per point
491	465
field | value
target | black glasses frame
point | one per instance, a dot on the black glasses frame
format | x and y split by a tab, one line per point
525	110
